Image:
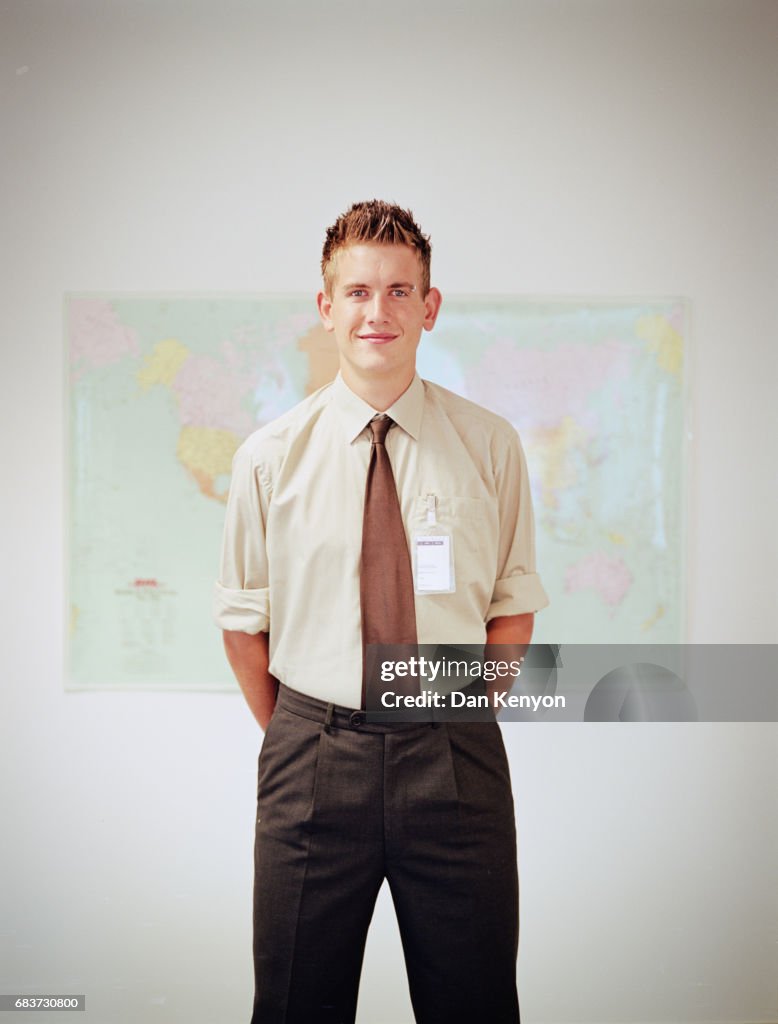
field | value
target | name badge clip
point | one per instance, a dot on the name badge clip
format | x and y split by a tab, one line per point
433	554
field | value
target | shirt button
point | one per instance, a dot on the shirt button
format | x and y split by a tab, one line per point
356	719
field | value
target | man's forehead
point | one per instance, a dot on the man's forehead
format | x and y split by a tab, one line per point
378	259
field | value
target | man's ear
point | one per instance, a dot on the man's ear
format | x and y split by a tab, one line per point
432	301
324	302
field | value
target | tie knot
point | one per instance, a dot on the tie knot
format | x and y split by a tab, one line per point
380	428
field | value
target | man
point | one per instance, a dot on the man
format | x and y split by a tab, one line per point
325	505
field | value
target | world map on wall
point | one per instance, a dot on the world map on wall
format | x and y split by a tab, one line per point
162	390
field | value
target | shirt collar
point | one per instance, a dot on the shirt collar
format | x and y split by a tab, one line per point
355	413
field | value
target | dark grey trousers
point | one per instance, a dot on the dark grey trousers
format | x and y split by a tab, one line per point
343	805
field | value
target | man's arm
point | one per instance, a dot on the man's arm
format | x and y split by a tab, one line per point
512	633
248	656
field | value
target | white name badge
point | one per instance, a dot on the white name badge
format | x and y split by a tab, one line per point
433	563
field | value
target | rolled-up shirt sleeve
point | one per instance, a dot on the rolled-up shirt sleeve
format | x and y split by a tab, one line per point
517	589
241	597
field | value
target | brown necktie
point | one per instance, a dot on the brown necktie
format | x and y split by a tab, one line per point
386	580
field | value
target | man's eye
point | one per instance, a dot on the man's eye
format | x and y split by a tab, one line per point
357	293
399	293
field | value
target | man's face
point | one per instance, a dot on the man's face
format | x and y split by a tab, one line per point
377	312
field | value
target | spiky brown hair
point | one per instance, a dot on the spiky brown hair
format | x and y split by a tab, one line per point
375	221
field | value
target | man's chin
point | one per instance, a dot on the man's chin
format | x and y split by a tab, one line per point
378	362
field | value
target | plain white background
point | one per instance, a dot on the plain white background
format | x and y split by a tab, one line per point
586	147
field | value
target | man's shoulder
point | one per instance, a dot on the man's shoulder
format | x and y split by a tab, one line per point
274	437
462	411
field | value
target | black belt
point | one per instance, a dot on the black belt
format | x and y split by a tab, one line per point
337	717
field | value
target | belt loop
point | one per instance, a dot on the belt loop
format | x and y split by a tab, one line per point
328	717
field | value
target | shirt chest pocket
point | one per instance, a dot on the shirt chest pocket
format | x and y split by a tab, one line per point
472	525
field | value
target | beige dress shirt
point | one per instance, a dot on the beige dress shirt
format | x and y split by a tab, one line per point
293	531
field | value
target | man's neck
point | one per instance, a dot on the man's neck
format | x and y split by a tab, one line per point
380	394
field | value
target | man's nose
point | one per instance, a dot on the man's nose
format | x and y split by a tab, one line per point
377	310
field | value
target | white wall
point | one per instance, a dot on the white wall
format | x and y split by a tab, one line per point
567	146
